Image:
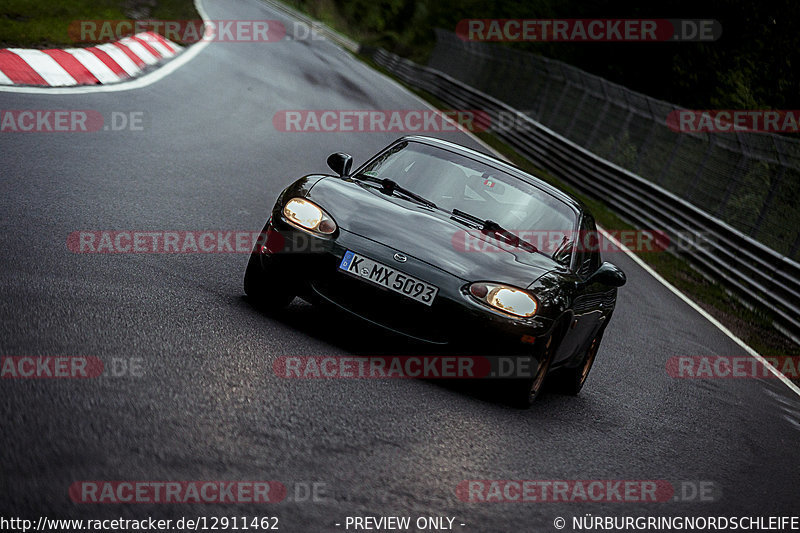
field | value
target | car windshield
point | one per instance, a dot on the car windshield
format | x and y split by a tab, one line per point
453	181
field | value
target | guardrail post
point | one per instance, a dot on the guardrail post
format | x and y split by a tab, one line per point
712	141
625	125
773	187
557	107
670	159
733	183
576	113
644	145
545	94
774	183
599	119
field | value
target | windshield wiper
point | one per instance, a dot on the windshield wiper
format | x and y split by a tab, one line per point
392	187
490	226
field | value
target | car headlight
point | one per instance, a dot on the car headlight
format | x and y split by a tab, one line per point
505	298
308	216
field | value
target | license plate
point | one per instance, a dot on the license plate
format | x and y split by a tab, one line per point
388	277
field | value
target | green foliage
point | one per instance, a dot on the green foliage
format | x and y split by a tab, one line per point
45	23
753	64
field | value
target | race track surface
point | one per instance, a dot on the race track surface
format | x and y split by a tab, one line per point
209	406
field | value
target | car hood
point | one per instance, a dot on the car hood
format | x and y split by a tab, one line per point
428	235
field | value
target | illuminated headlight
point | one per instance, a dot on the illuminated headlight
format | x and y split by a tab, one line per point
504	298
309	216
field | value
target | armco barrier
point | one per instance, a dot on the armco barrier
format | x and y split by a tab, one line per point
750	180
758	275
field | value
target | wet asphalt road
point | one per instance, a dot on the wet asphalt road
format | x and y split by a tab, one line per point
208	405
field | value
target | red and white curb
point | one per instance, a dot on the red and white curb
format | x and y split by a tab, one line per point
102	64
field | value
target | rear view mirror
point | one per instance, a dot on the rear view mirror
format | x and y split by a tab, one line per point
340	163
487	183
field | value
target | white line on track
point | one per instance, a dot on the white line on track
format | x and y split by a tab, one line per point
138	83
691	303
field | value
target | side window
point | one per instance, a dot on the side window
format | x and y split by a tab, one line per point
588	255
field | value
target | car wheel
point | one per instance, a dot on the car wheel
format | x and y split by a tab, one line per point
525	391
266	285
570	380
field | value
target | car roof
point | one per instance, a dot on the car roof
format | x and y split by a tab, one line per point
500	164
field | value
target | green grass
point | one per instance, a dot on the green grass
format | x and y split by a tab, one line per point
46	23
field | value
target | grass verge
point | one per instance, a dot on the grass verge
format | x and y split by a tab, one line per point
45	23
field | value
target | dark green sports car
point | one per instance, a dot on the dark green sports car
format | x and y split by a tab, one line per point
448	246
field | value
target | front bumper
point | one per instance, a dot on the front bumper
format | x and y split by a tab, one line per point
310	264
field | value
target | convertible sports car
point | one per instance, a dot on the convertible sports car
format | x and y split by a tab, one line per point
438	242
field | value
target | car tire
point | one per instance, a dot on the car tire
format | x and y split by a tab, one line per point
265	286
570	381
524	391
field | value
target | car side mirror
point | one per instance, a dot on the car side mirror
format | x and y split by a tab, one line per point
607	274
340	163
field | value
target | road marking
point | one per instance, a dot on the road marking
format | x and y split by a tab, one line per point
98	69
138	83
120	58
73	66
45	66
159	47
691	303
137	48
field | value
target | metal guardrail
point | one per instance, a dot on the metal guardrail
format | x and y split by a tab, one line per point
749	180
758	275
